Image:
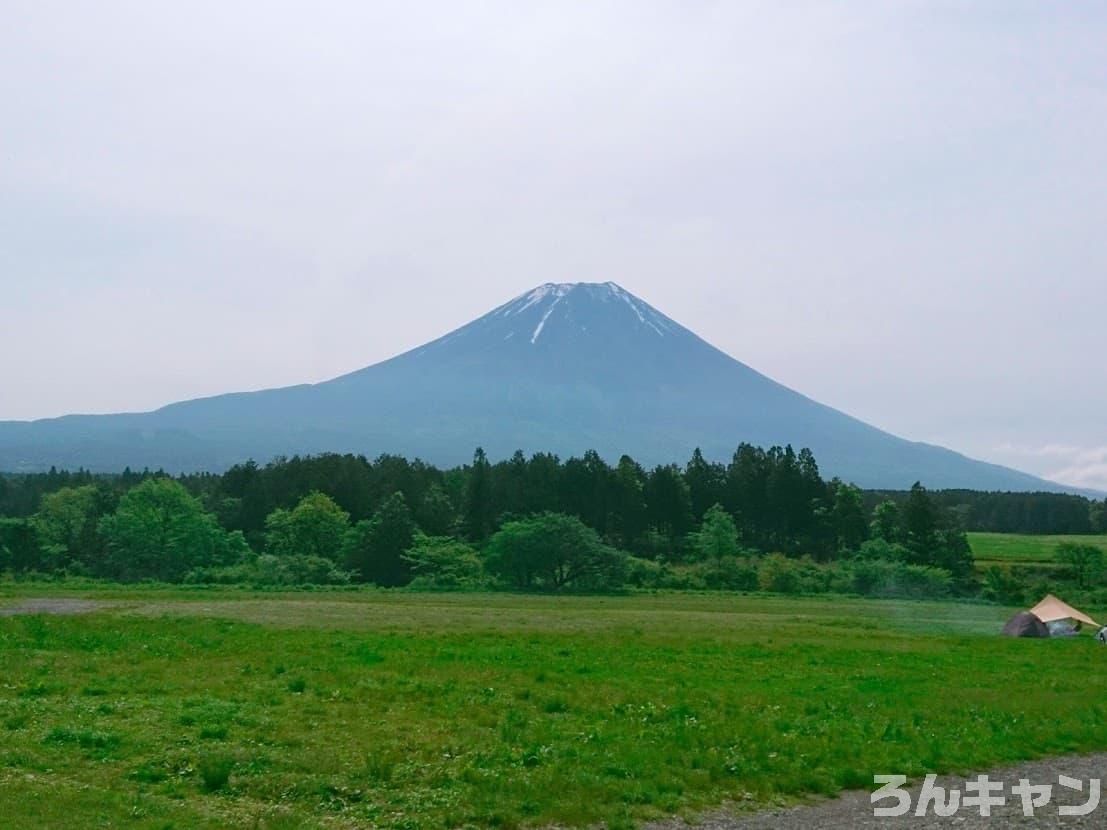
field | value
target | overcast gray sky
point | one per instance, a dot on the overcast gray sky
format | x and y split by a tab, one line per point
899	209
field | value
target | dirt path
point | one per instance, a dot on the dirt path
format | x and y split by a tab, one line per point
853	810
54	605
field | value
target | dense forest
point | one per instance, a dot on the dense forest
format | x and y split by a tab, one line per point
766	520
1034	513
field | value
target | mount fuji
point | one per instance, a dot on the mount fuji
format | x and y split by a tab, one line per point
563	368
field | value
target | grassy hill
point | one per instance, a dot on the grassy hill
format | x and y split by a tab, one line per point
1026	551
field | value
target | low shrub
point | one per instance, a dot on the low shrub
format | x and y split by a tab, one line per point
215	772
268	570
880	578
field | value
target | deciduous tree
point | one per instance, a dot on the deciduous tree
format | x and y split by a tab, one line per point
552	552
161	532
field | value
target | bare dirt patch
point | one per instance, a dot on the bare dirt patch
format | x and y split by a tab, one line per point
54	605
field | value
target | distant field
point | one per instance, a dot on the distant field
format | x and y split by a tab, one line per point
217	709
1027	551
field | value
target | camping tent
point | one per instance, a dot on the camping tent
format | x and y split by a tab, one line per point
1036	621
1051	608
1025	624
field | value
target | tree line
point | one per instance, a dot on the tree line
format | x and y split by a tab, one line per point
1031	513
252	492
765	520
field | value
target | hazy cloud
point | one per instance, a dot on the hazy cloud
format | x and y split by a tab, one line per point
1078	466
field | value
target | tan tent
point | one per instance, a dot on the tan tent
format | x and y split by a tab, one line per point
1051	609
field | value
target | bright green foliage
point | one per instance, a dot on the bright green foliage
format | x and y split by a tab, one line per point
778	573
880	548
1018	548
67	523
717	538
552	552
886	522
374	549
267	569
884	578
161	532
443	562
315	527
1084	561
1005	585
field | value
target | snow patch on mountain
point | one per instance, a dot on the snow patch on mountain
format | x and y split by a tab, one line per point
536	296
545	317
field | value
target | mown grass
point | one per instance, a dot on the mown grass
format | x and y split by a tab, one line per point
1033	552
416	710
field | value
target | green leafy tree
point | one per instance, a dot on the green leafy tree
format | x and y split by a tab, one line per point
953	553
305	570
443	562
778	573
1098	516
931	542
67	523
1085	562
879	548
315	527
717	538
887	522
436	516
161	532
374	548
848	517
552	552
1008	587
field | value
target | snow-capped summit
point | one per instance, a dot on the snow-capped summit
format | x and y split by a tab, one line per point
555	314
563	368
558	298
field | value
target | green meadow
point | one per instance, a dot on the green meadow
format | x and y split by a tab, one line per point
1024	550
223	708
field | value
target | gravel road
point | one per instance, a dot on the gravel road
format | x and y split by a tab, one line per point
853	810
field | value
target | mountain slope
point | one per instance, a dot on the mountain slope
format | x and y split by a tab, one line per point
562	368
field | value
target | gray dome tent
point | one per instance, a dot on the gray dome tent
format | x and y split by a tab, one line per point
1025	624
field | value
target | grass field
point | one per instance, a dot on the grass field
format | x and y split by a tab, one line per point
1027	551
217	709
